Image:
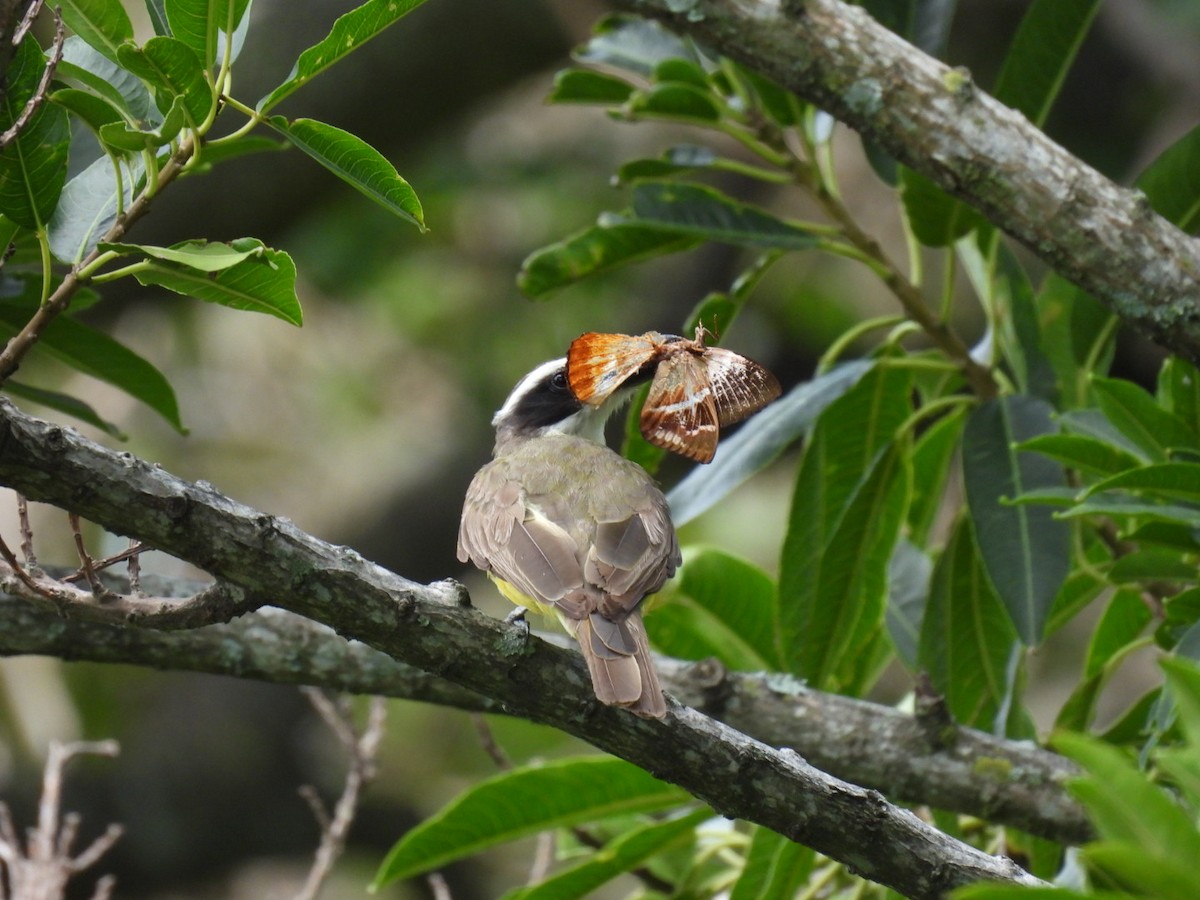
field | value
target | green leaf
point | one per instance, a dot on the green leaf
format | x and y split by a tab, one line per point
348	33
1179	390
843	451
88	207
676	101
121	138
1077	336
103	24
909	576
174	70
625	852
93	110
355	162
1153	564
200	255
638	45
586	86
1142	871
936	218
1093	423
721	606
593	250
966	638
932	462
1124	804
265	282
781	105
992	891
104	78
1172	182
231	149
1171	481
96	354
1083	453
775	867
760	441
1020	330
851	589
63	403
1139	418
1118	505
157	11
1183	676
522	802
198	23
1042	53
1125	618
33	167
691	210
1025	551
681	70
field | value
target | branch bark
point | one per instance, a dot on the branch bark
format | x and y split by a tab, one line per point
1102	237
433	628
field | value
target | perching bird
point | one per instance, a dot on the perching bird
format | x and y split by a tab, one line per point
563	524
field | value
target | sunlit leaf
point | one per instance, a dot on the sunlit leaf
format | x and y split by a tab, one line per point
198	23
775	867
523	802
1142	420
638	45
174	70
103	24
355	162
586	86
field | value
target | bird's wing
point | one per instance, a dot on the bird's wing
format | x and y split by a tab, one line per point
633	556
502	534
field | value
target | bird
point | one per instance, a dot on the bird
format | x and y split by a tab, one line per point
563	524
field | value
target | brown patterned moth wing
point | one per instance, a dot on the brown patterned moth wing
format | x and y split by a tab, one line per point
598	364
740	386
680	413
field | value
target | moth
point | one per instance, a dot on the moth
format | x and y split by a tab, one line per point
695	390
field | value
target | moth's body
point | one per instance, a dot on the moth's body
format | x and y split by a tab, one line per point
563	524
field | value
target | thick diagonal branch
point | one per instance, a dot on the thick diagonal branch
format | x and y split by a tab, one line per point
431	628
1103	237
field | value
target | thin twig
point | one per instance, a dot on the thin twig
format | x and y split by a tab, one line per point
26	533
98	565
85	560
133	571
27	21
39	95
23	576
362	749
438	887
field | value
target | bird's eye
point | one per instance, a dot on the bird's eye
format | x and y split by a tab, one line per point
559	381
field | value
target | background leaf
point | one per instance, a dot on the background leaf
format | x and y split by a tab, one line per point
103	24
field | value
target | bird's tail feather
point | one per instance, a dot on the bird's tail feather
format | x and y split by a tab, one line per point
618	659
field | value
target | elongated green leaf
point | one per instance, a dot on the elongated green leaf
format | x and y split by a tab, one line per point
118	137
909	574
1179	390
1041	54
1171	481
355	162
722	607
174	70
594	250
1125	618
1124	804
775	867
694	211
157	11
1118	505
936	218
966	637
991	891
1143	421
638	45
349	33
33	167
522	802
674	100
932	461
1142	871
91	109
1020	330
1086	454
89	208
1094	424
628	851
104	78
96	354
264	282
203	256
1026	552
242	146
198	23
1172	182
841	452
851	591
586	86
1153	564
1077	336
103	24
760	441
64	403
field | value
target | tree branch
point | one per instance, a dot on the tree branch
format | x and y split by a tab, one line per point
1103	237
432	628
